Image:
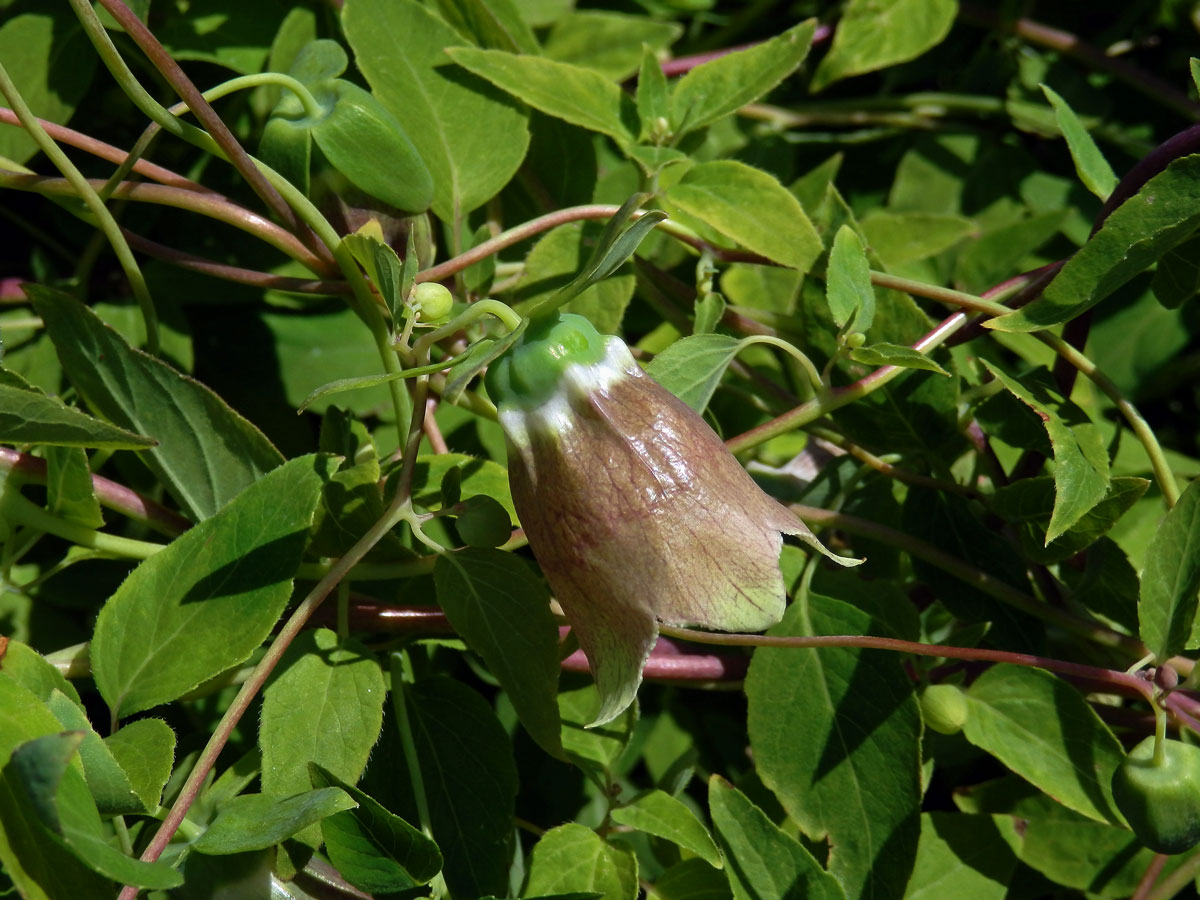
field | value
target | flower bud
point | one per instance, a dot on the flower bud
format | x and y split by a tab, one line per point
635	510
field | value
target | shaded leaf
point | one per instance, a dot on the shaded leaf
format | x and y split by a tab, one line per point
30	417
373	849
961	856
836	735
206	452
145	750
609	42
503	613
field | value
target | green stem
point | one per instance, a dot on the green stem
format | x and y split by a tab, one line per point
23	511
108	225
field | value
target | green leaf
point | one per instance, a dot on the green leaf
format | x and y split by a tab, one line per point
382	266
552	264
206	452
961	856
751	208
30	417
257	821
763	862
495	24
1081	476
503	613
848	282
572	93
482	522
1171	580
593	749
477	476
40	866
208	600
1159	217
324	706
373	849
1042	729
145	750
900	238
470	135
470	782
692	367
56	803
660	814
724	85
1029	503
23	664
1094	171
692	879
874	34
573	859
1177	277
885	354
50	61
836	735
106	780
610	43
363	140
993	257
70	493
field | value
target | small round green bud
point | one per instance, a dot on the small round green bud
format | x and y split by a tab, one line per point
528	375
944	708
431	301
855	339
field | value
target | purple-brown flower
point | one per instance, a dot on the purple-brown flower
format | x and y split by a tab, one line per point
634	509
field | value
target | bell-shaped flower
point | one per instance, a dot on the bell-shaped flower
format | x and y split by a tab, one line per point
635	510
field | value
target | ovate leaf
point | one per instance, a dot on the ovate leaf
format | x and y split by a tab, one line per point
211	597
692	367
576	95
206	452
470	135
574	859
885	354
874	34
373	849
848	282
724	85
751	208
836	736
1171	580
1042	729
324	706
660	814
762	861
503	613
470	782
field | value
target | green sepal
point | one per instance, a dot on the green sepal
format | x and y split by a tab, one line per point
528	375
